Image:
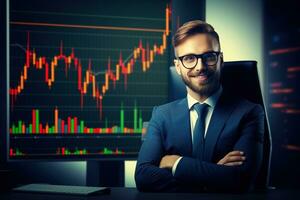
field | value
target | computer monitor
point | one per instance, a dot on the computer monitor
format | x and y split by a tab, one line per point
83	76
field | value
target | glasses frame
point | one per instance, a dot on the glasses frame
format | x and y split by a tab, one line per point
200	56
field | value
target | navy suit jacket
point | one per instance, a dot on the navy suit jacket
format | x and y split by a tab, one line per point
236	124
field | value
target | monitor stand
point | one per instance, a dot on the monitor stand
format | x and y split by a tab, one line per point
105	173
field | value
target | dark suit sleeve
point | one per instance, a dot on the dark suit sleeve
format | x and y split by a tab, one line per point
229	178
148	175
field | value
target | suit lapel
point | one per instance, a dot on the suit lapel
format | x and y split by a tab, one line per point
220	115
182	127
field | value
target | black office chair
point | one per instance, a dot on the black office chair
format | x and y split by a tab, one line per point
240	77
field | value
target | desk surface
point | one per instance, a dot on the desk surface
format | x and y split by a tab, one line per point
132	193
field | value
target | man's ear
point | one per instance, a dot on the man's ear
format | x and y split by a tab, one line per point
177	67
221	59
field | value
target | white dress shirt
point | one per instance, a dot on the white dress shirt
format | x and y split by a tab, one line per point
211	101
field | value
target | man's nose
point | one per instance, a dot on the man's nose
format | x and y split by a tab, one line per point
199	65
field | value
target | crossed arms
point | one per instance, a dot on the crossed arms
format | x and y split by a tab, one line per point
236	171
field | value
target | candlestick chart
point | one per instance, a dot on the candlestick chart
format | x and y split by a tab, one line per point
84	76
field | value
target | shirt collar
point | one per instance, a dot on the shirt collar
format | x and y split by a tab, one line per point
211	100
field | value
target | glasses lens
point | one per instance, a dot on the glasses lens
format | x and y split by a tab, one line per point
210	58
189	61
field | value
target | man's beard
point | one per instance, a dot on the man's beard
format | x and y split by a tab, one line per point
205	89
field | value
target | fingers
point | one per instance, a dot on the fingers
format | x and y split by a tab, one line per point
168	161
235	153
233	163
233	158
163	161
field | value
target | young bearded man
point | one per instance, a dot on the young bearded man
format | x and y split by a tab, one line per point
208	141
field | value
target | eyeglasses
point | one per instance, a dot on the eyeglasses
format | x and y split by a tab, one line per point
191	60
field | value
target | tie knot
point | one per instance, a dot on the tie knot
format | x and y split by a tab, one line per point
200	108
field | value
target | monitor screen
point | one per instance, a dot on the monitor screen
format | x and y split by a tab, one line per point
83	76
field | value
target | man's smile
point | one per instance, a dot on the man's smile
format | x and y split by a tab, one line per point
202	77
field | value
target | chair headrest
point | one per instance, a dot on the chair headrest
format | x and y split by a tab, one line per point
241	78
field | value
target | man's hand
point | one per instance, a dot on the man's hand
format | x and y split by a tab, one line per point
233	158
168	161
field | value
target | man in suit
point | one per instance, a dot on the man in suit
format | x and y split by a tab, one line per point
208	141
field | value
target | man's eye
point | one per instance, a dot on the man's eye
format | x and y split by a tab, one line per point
210	57
189	58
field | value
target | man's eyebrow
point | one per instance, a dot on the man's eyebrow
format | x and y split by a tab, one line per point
188	54
209	51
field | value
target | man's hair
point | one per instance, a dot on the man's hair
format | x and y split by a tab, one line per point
192	28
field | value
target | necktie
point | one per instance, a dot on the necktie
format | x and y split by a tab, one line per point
199	130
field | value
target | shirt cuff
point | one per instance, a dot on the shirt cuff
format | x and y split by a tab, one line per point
175	165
